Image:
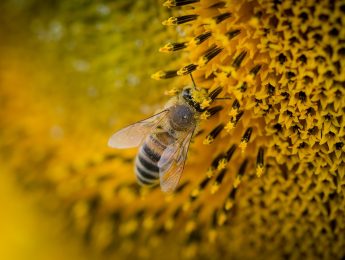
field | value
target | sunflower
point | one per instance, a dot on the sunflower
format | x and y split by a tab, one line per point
264	177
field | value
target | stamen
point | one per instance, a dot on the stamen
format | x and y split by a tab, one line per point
201	38
260	162
174	3
173	46
214	133
230	152
187	69
255	69
220	18
218	181
245	138
181	187
238	60
214	110
232	34
209	55
234	108
233	121
164	74
219	4
216	160
240	173
229	202
243	87
180	19
215	93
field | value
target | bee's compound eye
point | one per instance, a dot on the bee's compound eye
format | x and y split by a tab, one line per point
186	94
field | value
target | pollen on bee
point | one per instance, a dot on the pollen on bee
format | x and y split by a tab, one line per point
180	19
164	74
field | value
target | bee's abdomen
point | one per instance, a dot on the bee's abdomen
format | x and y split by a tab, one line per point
146	168
150	152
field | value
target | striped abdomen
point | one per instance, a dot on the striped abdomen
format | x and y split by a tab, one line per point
150	152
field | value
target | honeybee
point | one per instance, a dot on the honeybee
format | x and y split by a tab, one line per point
164	139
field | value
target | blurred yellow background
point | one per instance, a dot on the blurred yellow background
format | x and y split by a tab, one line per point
69	75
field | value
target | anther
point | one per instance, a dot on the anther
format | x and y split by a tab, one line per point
240	173
229	202
180	19
164	74
213	94
230	152
233	121
245	138
260	162
173	46
213	134
209	55
218	181
255	69
238	60
187	69
236	104
221	17
214	110
202	37
232	34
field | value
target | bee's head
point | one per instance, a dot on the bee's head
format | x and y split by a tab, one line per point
187	96
197	98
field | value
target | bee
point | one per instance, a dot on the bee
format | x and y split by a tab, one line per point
163	140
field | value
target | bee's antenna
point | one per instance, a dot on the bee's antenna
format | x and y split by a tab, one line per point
195	87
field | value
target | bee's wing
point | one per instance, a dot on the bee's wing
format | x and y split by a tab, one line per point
133	135
172	162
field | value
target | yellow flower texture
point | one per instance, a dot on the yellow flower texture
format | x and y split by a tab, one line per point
264	177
